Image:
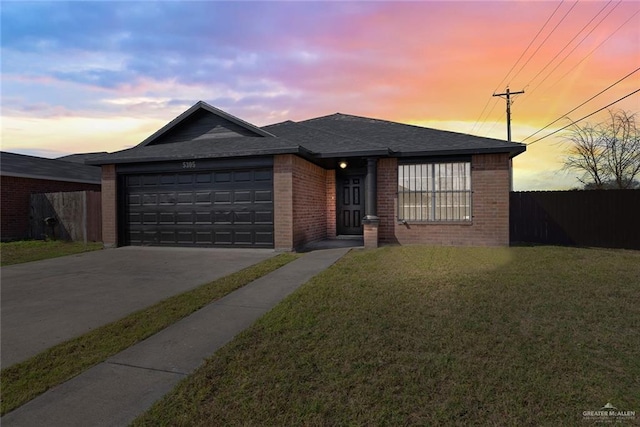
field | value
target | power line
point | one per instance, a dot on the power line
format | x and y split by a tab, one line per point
512	67
582	118
588	100
571	41
530	43
546	38
576	46
594	49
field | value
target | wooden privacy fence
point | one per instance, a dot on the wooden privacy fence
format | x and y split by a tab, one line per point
75	215
602	218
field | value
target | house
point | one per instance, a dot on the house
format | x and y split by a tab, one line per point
208	178
21	176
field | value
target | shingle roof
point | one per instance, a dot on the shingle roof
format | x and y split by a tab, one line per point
336	135
409	140
20	165
203	149
325	142
81	158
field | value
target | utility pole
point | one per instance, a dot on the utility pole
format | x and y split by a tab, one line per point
508	98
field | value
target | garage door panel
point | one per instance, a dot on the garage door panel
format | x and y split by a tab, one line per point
222	197
242	196
167	199
185	178
216	208
221	177
244	237
263	175
263	217
150	180
203	218
263	196
242	176
184	198
168	179
203	198
167	218
264	238
244	218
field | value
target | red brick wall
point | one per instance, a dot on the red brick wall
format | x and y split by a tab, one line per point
490	225
309	202
304	198
15	196
109	206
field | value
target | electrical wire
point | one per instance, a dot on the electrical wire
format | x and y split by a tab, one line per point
530	44
546	38
588	100
582	118
512	67
571	41
574	48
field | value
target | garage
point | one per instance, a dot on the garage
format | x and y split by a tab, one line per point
226	208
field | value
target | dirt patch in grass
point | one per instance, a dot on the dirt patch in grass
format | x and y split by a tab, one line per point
432	336
35	250
26	380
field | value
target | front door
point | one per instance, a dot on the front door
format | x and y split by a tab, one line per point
350	204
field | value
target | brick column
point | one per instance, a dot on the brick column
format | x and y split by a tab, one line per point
109	206
283	202
370	233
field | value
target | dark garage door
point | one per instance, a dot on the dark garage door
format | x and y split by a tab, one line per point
232	208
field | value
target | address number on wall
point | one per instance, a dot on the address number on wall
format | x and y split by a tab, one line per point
188	165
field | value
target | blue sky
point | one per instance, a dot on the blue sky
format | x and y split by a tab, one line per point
101	76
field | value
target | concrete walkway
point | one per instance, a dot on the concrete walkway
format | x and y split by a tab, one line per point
116	391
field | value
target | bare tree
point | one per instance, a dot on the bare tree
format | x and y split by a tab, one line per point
606	153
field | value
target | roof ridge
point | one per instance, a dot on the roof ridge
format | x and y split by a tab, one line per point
349	138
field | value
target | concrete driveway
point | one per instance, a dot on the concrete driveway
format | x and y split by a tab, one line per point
46	302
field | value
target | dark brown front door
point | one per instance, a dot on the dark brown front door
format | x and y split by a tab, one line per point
350	204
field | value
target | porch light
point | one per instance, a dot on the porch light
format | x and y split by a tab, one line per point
342	164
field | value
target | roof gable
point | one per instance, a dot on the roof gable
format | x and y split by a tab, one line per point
203	122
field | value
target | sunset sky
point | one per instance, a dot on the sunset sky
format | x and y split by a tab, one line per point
90	76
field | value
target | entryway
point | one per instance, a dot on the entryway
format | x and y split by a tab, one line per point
349	204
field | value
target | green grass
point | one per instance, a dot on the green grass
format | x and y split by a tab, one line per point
527	336
35	250
26	380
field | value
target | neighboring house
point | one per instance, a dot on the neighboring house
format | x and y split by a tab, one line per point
211	179
21	176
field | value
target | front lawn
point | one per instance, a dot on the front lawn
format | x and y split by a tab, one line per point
432	336
35	250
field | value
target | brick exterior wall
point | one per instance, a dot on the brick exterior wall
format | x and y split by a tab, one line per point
304	197
15	198
305	205
109	206
490	199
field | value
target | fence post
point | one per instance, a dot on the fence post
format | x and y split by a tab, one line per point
84	217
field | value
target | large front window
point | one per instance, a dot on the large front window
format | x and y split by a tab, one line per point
434	192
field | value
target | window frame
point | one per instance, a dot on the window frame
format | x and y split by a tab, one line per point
427	194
